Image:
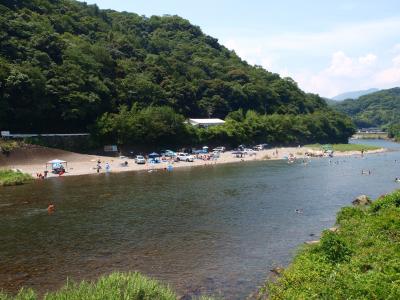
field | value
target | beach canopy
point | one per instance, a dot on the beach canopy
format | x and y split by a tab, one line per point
56	161
154	155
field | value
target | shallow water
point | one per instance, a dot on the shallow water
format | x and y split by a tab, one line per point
214	230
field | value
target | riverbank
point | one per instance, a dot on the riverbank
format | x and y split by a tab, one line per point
360	259
33	160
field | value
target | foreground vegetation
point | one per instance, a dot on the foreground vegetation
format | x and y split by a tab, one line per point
9	177
359	261
344	147
78	67
116	286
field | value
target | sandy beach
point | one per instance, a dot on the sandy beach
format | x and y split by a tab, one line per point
34	160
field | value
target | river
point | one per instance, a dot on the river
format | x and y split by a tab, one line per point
214	230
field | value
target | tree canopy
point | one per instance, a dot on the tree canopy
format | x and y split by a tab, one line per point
379	109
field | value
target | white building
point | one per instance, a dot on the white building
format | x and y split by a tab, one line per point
205	122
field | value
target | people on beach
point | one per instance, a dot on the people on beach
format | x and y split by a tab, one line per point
107	167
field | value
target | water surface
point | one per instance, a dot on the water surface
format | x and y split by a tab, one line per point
214	230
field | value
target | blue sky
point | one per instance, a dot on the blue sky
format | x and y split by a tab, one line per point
328	47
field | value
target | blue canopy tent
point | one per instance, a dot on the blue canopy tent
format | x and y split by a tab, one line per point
56	164
154	158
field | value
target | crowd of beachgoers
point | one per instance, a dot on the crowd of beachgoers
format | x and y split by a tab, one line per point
39	165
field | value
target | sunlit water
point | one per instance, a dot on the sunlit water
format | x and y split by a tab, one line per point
214	230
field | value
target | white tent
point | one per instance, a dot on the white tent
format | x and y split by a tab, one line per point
56	163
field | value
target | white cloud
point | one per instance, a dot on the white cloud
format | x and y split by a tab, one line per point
316	63
396	61
396	48
343	74
390	76
350	73
368	59
360	34
341	65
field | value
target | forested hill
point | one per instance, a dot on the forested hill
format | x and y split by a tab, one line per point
379	109
66	66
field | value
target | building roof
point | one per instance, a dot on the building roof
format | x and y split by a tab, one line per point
206	121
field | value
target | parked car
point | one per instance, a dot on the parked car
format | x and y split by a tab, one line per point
249	151
140	160
260	147
219	149
168	153
181	156
241	147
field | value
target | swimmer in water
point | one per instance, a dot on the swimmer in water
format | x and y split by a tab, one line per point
51	208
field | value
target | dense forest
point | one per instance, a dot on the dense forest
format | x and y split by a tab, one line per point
66	66
379	109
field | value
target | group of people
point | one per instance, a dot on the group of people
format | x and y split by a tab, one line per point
107	166
42	176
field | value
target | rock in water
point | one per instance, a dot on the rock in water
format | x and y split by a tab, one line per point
362	200
277	270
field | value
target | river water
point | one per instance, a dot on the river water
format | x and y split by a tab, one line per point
214	230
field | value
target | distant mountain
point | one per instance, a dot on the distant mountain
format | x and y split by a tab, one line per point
331	102
379	109
354	94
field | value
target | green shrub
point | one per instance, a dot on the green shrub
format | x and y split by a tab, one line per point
7	146
116	286
349	213
9	177
386	201
334	248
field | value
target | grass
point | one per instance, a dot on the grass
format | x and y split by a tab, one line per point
344	147
359	261
9	177
116	286
363	135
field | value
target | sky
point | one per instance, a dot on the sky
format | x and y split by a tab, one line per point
328	47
